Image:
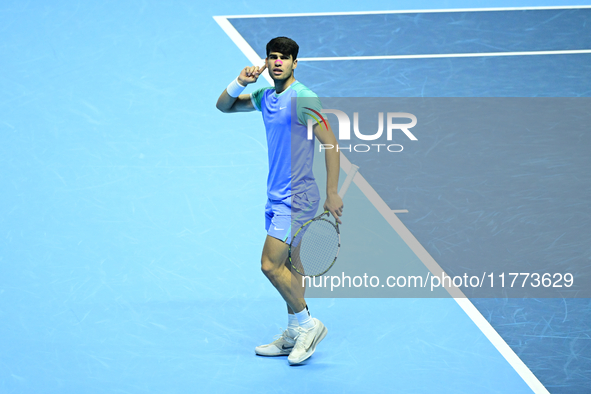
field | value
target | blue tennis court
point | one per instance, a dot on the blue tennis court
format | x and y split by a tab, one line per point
132	215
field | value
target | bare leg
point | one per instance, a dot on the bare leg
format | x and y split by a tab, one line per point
297	278
274	264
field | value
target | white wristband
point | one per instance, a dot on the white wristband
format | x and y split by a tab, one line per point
234	88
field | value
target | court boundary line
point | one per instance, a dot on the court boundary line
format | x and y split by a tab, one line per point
447	55
474	314
427	11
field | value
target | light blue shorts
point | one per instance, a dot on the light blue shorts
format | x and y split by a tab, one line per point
284	217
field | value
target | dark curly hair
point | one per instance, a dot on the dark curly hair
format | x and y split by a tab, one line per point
283	45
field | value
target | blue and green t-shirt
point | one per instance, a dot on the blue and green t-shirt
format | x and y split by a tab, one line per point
291	153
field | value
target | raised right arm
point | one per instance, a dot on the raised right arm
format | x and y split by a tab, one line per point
228	103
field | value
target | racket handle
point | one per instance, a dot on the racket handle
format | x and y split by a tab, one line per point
348	180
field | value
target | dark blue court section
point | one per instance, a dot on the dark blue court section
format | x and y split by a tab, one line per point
505	76
550	335
424	33
491	184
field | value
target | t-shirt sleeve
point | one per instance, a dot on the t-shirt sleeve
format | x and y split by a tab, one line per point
257	97
308	104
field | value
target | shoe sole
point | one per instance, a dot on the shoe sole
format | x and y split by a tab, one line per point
312	349
271	355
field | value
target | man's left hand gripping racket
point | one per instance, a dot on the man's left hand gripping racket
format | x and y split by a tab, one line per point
315	246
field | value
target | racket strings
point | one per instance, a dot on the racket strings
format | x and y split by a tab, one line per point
315	247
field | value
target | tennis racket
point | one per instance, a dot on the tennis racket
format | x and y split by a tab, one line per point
315	246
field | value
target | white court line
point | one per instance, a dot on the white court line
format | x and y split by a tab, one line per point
446	55
242	44
573	7
497	341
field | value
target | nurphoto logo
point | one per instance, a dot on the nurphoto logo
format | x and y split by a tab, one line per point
344	130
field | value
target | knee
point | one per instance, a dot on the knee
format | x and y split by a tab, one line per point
268	268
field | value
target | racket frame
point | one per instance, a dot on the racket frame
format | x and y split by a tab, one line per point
352	172
303	226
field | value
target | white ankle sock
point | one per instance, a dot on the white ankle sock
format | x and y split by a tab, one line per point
304	319
292	325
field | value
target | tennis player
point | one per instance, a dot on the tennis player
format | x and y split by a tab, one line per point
293	196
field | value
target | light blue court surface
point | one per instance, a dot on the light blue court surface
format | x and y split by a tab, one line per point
131	217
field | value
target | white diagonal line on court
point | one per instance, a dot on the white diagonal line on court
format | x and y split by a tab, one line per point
242	44
498	342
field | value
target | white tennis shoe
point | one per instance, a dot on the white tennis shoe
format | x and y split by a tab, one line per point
282	346
306	342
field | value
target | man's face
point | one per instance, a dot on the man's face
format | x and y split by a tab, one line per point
280	66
